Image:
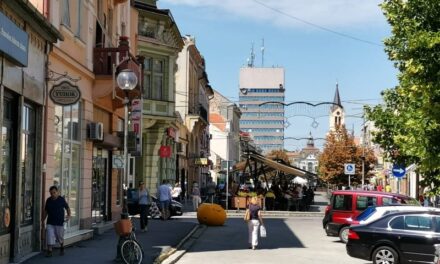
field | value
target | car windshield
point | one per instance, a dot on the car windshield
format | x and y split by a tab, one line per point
366	213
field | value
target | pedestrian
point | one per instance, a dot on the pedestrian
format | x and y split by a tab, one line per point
255	220
164	193
195	196
176	192
380	188
144	205
54	210
211	189
388	187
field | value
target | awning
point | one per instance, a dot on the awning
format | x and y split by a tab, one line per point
278	166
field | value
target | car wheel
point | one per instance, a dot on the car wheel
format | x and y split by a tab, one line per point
385	255
343	234
326	228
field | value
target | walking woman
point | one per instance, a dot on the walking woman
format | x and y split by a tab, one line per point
195	196
255	220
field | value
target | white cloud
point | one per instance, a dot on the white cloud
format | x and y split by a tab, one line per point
325	13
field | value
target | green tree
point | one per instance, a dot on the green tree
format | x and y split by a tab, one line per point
340	148
409	119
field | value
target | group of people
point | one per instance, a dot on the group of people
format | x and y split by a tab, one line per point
289	197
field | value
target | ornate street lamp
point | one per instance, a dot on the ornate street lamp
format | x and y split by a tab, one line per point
127	81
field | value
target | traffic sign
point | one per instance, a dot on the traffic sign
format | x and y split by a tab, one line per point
398	171
349	168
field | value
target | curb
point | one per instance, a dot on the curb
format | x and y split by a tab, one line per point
172	255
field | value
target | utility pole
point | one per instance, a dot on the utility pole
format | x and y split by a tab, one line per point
363	148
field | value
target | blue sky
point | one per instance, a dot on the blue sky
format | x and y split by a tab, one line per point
314	58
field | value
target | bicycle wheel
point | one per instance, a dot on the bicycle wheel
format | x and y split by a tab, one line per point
131	252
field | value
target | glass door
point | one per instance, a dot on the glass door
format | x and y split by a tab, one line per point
100	181
68	159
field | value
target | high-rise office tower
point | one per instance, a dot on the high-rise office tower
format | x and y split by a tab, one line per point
263	119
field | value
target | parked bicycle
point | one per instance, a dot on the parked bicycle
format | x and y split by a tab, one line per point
130	250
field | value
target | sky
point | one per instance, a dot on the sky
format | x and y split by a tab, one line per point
318	42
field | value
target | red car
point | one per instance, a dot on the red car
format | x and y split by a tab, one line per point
345	206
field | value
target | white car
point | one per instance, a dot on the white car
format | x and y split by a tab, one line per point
373	213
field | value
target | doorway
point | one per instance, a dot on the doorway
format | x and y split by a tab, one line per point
100	185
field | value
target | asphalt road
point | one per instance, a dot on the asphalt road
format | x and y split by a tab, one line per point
290	240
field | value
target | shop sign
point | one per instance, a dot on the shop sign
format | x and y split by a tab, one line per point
201	161
165	151
136	123
65	93
14	41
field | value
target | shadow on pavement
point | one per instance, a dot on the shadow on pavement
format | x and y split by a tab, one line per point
161	236
234	236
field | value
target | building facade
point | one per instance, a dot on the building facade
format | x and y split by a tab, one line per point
261	92
193	94
224	126
158	43
25	42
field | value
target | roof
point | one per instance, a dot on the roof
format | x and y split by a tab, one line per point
218	121
369	192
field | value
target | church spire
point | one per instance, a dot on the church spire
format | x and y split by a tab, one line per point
337	98
310	142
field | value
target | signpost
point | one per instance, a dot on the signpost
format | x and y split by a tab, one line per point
398	171
349	169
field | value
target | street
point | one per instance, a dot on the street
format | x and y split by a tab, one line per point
290	240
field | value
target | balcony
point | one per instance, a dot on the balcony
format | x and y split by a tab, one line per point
107	62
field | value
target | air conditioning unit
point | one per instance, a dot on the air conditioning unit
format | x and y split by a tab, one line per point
96	131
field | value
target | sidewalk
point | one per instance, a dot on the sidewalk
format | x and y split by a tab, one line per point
161	237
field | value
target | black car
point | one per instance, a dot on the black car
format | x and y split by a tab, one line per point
403	237
176	208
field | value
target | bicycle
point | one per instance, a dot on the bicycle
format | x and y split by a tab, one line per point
130	250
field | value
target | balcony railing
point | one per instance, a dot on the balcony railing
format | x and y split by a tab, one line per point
105	58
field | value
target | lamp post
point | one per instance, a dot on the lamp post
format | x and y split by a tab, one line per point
127	81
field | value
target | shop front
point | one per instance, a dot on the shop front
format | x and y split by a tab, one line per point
23	55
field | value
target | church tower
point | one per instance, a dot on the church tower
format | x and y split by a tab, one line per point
337	114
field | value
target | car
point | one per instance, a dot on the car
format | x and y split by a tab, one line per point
346	205
176	208
402	237
373	213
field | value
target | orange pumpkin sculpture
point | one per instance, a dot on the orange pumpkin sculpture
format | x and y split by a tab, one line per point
211	214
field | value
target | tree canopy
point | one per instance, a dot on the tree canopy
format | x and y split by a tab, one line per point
409	118
340	148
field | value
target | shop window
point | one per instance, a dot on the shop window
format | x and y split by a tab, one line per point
28	164
67	156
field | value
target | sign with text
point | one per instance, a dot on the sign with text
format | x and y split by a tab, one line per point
65	93
14	42
201	161
136	126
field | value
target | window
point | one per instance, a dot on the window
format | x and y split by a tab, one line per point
342	202
397	223
66	13
418	222
67	155
28	164
363	202
154	79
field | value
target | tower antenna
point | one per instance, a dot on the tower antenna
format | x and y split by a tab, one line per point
252	58
262	53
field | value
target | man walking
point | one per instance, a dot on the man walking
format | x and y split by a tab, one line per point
54	211
144	205
164	193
